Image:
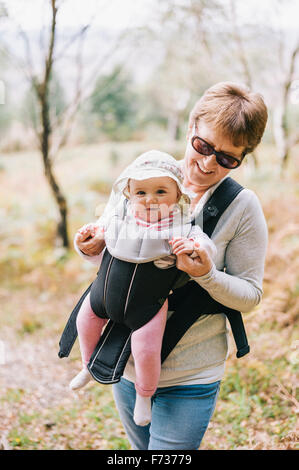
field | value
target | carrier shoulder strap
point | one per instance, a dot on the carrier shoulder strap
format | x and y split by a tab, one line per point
221	198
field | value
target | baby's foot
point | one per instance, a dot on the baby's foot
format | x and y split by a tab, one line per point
143	410
80	380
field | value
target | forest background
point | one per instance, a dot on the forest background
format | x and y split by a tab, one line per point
85	87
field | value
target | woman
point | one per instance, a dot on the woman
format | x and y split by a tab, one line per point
225	124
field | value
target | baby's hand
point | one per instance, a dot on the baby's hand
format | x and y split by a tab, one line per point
89	231
182	245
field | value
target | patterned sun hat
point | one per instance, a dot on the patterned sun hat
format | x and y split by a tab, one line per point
152	164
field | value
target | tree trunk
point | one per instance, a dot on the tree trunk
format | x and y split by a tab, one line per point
243	60
42	91
281	136
62	232
281	128
173	126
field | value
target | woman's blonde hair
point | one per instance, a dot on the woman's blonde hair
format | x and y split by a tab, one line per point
235	112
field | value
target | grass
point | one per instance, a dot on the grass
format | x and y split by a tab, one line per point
258	402
84	423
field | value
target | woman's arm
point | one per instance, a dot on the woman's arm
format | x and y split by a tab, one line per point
240	286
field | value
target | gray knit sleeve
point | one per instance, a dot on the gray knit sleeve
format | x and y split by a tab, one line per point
239	286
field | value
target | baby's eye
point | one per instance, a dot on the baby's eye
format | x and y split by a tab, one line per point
161	191
140	193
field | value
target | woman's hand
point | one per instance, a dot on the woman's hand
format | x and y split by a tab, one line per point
90	239
195	267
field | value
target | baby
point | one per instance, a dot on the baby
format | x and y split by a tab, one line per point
150	224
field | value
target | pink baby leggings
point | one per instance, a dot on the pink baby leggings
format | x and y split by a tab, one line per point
146	343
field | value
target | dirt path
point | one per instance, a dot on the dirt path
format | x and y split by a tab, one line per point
38	411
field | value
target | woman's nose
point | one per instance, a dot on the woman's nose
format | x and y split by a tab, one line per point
210	161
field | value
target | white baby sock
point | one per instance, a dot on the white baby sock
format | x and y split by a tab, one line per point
80	380
142	410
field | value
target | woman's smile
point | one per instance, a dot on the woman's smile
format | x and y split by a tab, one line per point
202	169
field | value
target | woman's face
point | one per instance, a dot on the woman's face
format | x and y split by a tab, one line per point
204	171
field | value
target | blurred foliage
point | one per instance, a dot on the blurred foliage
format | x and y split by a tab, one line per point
101	186
6	110
5	118
114	102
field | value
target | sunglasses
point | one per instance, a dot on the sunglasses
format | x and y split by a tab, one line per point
227	161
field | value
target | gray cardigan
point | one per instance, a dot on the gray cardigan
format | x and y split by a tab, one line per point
234	280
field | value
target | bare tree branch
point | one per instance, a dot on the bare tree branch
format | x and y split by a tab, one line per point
14	60
42	91
28	52
242	57
70	112
239	42
290	74
284	141
49	59
70	42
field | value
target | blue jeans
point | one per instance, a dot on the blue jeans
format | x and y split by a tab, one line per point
180	415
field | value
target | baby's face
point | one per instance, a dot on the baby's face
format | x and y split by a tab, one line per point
153	199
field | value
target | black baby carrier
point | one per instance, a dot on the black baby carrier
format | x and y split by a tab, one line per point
130	294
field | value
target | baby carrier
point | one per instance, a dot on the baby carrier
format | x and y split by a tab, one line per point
139	296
